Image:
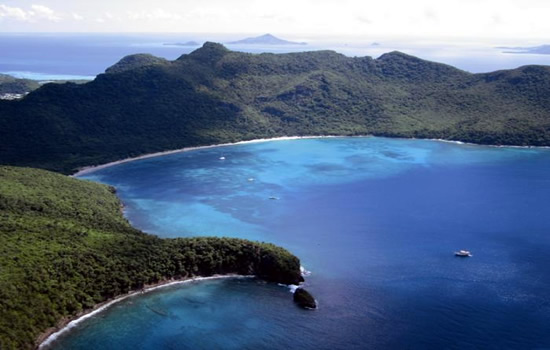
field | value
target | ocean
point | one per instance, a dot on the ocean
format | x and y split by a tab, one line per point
375	220
65	56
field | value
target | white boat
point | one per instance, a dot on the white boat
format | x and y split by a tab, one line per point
250	179
463	253
222	158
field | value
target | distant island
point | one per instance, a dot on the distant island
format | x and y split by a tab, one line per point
187	43
541	50
266	39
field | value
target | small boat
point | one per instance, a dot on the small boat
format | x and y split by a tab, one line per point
273	198
222	158
250	179
463	253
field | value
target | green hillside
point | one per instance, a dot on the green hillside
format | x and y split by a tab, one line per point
215	95
66	247
11	85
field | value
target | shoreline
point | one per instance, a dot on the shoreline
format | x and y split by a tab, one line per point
480	144
65	325
90	169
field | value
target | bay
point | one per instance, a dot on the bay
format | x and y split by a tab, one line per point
376	221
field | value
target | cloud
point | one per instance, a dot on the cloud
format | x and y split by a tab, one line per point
430	15
43	12
156	14
364	19
15	13
35	13
77	17
475	19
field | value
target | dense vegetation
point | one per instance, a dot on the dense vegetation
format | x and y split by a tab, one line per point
214	95
135	61
66	246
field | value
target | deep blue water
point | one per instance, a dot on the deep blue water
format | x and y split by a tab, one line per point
376	221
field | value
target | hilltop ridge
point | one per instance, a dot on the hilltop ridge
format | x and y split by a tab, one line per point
215	95
135	61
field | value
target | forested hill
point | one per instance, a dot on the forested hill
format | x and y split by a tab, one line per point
214	95
11	85
66	247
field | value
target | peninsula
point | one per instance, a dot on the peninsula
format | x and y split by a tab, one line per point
66	248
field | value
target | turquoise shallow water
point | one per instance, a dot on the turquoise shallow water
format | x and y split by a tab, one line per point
376	221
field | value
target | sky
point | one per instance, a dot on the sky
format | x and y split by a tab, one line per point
526	20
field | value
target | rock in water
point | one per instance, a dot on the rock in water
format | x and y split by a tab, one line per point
304	299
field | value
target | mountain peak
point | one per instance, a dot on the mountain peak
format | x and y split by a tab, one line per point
404	66
267	35
209	45
266	39
209	52
134	61
392	55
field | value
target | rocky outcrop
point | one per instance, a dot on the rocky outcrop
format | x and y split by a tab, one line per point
304	299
